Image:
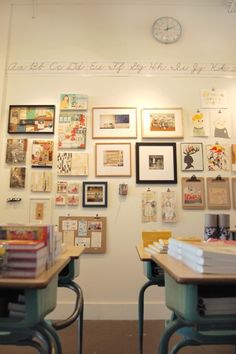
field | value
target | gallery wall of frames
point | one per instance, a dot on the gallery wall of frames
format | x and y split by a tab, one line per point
59	163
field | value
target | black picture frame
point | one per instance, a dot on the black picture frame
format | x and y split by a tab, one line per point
94	194
31	119
156	163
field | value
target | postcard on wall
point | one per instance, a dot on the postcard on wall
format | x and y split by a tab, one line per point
149	206
62	186
40	211
214	98
221	124
218	157
83	228
72	164
72	199
73	101
41	181
60	199
83	241
17	177
42	153
169	207
191	156
16	151
69	225
218	193
72	130
73	187
200	124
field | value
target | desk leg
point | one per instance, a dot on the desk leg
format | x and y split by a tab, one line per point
51	336
168	332
141	312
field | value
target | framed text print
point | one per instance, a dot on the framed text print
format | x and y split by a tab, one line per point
162	123
156	163
31	119
114	122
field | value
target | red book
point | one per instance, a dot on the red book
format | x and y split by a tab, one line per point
23	244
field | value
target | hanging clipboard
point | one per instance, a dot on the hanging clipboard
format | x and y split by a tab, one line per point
218	193
193	193
87	231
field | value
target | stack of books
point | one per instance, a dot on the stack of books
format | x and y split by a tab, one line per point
217	306
206	257
160	246
25	258
17	309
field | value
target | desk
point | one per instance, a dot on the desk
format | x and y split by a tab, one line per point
155	277
183	289
40	299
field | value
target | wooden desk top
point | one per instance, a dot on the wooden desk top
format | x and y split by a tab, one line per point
43	280
182	274
144	256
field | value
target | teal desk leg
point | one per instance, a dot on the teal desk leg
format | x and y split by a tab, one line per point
51	336
156	277
171	328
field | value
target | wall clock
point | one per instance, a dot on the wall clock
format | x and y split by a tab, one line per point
166	30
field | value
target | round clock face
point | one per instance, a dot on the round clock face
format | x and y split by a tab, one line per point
166	30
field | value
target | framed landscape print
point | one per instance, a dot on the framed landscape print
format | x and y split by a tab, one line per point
113	159
191	156
16	151
218	193
42	153
32	119
193	193
162	123
156	163
94	194
117	122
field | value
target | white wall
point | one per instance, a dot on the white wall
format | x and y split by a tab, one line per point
106	32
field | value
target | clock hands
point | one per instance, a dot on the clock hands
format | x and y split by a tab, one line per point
168	28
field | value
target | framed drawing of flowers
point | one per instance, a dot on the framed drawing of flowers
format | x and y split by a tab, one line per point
162	123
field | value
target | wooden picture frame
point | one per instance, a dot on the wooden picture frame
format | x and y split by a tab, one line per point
114	122
94	194
191	156
218	193
113	159
193	193
162	122
156	163
31	119
233	186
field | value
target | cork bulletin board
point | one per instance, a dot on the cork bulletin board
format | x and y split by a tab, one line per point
88	231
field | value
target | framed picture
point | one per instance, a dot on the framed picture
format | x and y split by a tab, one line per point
162	123
41	181
218	157
16	151
73	101
234	192
17	177
113	159
42	153
191	156
114	122
193	193
72	164
218	193
156	163
40	211
94	194
32	119
72	129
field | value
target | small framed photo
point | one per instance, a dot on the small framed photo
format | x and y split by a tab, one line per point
113	159
234	192
162	123
156	163
33	119
193	193
117	122
94	194
42	153
40	211
191	156
218	193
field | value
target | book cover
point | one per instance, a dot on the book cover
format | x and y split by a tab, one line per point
23	244
23	273
27	254
26	263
